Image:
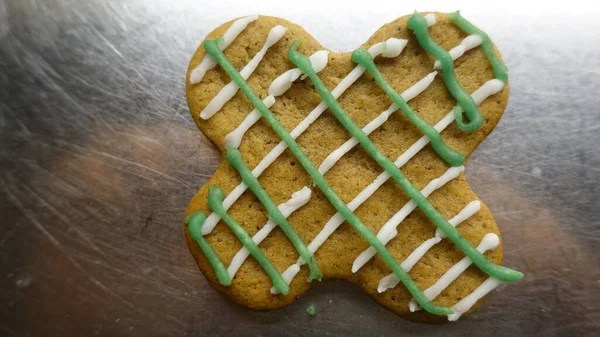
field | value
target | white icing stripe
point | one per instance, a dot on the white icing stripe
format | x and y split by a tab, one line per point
298	200
390	281
489	88
277	88
490	241
392	44
408	94
284	81
228	91
467	212
466	303
414	257
430	18
230	34
466	44
388	231
234	138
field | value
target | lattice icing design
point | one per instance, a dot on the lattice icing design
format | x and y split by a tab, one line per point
199	225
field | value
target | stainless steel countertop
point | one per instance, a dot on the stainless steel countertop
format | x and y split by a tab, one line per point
99	158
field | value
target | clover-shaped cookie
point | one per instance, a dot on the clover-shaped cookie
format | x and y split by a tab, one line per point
307	188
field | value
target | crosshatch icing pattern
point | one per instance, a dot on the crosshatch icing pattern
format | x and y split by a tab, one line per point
465	116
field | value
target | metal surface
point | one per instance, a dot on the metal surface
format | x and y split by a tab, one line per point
99	158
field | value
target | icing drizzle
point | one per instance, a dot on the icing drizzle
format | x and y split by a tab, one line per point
197	222
418	25
213	49
500	272
465	45
215	200
390	281
392	47
499	68
277	88
228	91
489	241
409	93
231	33
298	199
487	89
466	303
452	157
388	231
235	159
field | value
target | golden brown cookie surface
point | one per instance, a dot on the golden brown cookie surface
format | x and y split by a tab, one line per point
363	101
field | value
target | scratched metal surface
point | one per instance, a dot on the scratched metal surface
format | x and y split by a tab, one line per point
99	158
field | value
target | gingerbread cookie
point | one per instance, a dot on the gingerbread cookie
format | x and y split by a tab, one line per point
296	193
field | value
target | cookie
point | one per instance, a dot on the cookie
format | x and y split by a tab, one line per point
307	189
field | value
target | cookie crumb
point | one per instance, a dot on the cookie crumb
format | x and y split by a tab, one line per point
311	310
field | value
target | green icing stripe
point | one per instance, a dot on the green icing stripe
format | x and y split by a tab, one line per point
212	48
195	222
502	273
449	155
215	201
235	159
418	25
499	68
